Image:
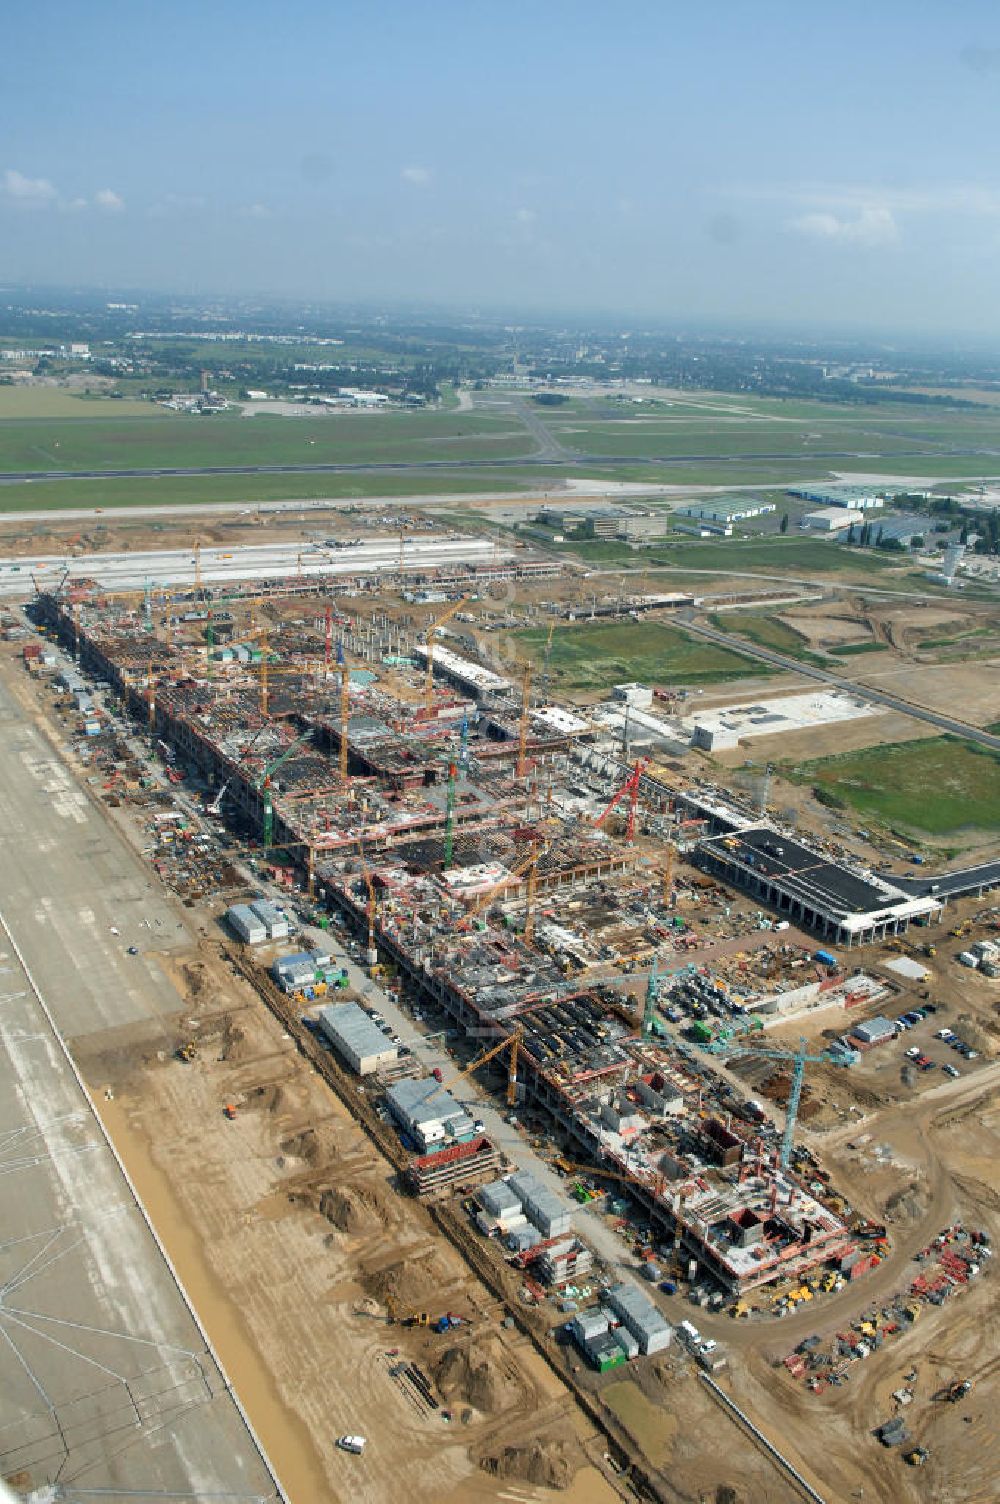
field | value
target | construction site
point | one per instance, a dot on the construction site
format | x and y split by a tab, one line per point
542	1050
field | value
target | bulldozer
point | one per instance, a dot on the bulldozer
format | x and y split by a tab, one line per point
916	1457
186	1051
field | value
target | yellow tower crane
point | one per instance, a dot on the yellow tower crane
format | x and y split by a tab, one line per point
513	1043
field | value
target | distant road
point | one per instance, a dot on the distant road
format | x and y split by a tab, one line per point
853	686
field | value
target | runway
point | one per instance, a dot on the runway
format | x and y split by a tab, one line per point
107	1383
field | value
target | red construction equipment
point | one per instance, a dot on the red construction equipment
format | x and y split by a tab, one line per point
631	788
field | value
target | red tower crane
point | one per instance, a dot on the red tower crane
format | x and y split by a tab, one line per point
631	788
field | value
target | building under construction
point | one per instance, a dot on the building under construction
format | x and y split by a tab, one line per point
459	873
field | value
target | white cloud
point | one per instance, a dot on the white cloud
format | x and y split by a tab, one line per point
418	176
871	226
31	192
525	216
107	198
255	211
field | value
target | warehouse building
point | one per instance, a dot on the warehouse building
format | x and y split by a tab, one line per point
728	508
464	674
640	1316
855	498
356	1039
300	969
245	924
543	1208
271	918
832	519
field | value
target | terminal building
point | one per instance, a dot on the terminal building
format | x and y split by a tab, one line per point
845	907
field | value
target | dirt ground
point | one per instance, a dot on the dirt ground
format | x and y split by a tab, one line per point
287	1230
955	1170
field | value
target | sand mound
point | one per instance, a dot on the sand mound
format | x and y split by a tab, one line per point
908	1204
477	1378
305	1145
544	1463
352	1209
409	1283
235	1045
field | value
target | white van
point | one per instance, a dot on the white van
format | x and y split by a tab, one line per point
355	1444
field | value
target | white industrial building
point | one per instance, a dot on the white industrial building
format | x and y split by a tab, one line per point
640	1316
724	728
728	508
639	695
356	1039
271	917
247	925
855	498
831	519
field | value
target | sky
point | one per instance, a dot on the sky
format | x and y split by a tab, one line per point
814	165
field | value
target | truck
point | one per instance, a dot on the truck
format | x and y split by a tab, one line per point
355	1444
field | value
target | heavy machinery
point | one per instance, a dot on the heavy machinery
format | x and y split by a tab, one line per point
438	621
394	1317
959	1390
916	1457
652	997
629	789
654	1183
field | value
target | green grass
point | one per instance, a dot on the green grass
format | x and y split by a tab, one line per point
181	440
113	495
595	655
53	402
805	555
938	786
767	632
851	649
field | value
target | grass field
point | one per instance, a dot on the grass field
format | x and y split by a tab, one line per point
936	786
105	442
595	655
852	649
111	495
64	402
767	632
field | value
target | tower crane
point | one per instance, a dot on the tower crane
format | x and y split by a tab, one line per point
512	1042
449	823
800	1059
510	877
652	998
630	788
370	906
264	784
345	710
439	621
